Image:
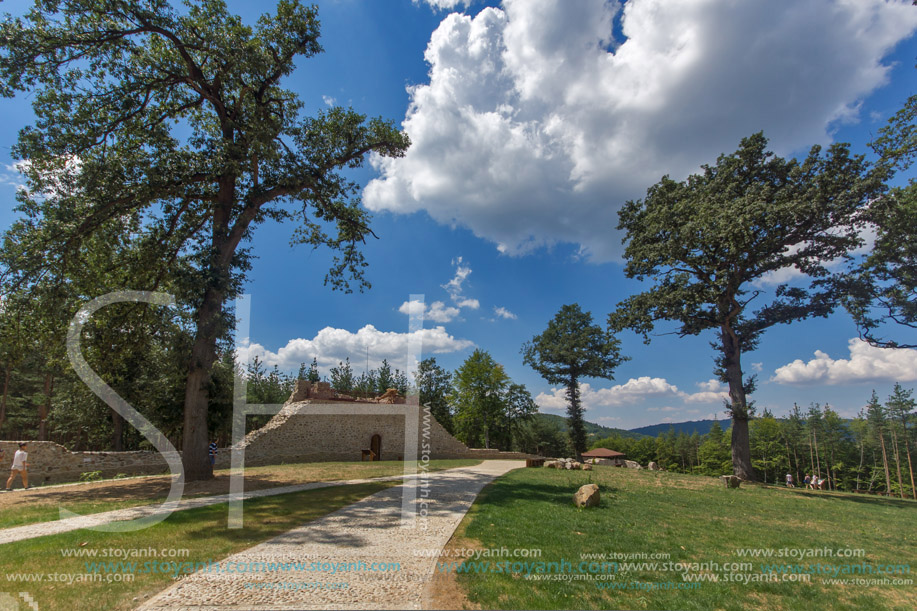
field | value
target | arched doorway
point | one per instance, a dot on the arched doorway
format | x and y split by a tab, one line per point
375	445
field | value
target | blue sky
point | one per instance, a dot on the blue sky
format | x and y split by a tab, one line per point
532	123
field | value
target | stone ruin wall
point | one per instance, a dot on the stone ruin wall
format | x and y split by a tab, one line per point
293	435
305	432
52	463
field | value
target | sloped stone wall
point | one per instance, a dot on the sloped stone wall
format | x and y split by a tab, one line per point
338	431
308	431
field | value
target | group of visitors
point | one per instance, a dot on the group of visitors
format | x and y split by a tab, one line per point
814	482
19	467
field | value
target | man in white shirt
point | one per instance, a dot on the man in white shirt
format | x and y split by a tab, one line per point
20	466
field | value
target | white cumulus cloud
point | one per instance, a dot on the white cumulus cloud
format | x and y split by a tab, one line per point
711	391
535	125
454	286
444	5
504	313
865	364
633	392
332	345
436	311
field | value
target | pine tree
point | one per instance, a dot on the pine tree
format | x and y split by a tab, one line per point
342	379
875	416
900	405
433	384
570	349
313	375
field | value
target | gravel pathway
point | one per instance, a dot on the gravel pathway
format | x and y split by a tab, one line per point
348	547
42	529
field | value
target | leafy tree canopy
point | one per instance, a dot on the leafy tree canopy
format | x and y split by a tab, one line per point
179	121
710	240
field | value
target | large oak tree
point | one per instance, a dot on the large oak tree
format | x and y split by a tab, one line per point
180	116
709	241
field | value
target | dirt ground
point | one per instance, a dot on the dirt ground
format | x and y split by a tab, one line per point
155	488
152	488
443	590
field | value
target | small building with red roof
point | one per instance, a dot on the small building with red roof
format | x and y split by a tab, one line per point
604	456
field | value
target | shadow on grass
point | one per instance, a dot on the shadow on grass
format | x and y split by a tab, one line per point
559	493
865	499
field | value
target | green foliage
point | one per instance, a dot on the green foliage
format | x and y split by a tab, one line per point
143	132
433	385
385	378
767	453
882	287
312	375
90	476
487	406
342	378
542	437
572	348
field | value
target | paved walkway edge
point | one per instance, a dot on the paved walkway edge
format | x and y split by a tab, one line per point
56	527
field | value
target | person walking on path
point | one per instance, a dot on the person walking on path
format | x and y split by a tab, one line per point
212	449
20	466
789	481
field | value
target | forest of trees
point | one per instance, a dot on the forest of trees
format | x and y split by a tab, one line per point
871	452
153	170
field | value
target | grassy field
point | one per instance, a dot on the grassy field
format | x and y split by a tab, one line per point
42	504
694	520
202	532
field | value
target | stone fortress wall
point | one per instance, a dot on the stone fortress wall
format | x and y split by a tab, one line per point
315	425
52	463
314	431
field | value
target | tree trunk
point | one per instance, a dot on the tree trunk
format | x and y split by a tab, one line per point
117	436
817	459
897	463
195	456
741	449
811	455
6	389
872	471
860	468
888	478
741	453
789	461
907	449
575	418
45	408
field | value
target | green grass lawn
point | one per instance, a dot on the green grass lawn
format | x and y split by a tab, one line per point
120	494
693	519
202	532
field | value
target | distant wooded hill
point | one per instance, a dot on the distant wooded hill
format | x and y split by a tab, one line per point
701	426
597	431
593	431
